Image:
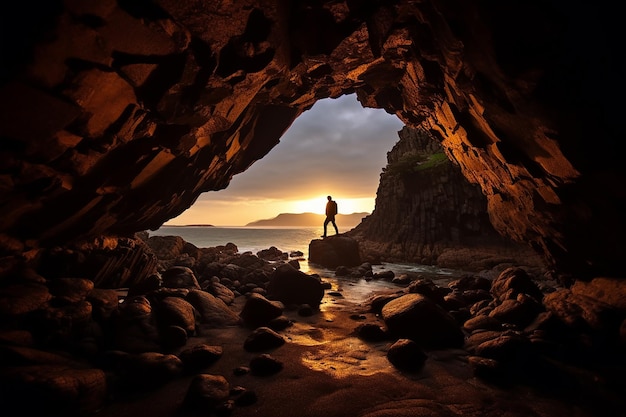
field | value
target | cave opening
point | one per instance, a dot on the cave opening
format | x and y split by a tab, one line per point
116	116
338	148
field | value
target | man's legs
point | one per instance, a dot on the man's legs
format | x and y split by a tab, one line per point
325	225
336	230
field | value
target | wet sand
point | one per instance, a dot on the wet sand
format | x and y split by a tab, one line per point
328	372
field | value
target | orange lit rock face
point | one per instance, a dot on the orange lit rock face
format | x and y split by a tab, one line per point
115	116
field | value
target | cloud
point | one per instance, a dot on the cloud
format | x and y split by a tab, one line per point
337	147
335	142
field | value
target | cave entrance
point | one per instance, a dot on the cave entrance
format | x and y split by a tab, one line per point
336	148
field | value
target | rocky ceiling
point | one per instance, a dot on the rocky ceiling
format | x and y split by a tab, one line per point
116	115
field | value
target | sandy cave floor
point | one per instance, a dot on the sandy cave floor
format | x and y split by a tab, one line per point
329	372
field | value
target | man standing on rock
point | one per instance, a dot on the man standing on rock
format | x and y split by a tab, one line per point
331	211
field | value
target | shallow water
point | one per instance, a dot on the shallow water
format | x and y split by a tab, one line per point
289	239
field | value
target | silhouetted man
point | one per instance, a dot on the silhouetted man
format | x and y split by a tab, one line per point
331	211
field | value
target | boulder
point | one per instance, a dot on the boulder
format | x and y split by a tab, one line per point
259	311
482	322
108	261
611	291
263	338
428	288
174	311
104	303
206	392
583	313
406	355
221	291
51	390
200	356
415	317
272	254
213	311
148	369
180	277
134	326
470	282
70	290
513	281
62	323
166	247
507	347
265	365
520	312
172	336
334	251
21	299
291	286
371	332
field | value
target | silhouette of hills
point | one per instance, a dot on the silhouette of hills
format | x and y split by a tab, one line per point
310	219
189	225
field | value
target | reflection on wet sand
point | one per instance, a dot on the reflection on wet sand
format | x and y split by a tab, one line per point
335	349
330	336
347	357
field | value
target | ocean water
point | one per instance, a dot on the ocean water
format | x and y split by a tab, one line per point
289	239
251	239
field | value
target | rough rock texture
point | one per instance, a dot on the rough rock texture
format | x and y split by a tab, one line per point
334	251
428	213
107	261
115	116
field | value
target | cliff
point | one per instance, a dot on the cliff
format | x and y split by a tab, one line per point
115	115
427	212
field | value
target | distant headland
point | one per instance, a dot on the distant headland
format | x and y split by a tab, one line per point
188	225
309	220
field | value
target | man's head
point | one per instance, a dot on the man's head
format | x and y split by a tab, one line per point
329	198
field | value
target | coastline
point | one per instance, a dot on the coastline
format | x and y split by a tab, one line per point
258	238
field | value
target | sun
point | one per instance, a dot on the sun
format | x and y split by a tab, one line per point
312	205
346	206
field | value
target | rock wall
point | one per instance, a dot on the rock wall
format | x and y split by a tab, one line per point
425	208
116	115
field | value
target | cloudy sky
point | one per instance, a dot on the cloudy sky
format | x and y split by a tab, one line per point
336	148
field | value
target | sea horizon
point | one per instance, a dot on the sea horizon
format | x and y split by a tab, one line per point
281	216
242	226
246	238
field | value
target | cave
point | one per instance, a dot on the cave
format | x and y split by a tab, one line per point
116	115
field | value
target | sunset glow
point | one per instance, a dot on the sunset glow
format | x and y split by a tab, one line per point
346	206
312	205
318	205
336	148
241	212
